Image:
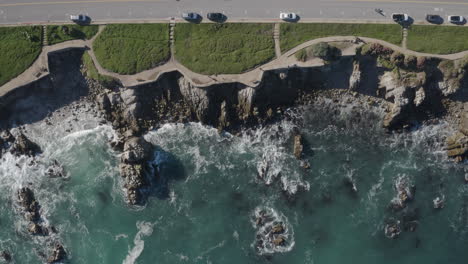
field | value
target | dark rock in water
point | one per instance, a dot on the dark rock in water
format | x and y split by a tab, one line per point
24	146
55	170
392	229
133	167
58	254
5	255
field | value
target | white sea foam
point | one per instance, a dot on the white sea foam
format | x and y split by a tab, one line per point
144	229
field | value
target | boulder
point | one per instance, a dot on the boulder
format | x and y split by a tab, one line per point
58	254
279	241
24	146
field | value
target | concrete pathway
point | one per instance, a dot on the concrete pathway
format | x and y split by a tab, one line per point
252	78
276	37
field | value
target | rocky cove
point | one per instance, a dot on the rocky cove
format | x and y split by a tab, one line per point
411	91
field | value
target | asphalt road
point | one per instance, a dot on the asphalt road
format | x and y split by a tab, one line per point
40	11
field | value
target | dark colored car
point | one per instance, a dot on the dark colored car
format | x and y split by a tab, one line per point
434	19
191	16
218	17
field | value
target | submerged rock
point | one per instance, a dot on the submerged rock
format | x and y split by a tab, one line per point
5	255
438	202
55	170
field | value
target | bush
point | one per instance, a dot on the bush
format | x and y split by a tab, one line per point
325	51
301	55
376	49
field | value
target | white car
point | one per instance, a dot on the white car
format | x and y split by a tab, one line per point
288	16
456	19
400	17
79	18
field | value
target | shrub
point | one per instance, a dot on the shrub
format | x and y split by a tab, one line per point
301	55
325	51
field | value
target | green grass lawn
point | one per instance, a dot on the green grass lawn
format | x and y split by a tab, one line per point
19	48
92	72
132	48
438	39
223	48
57	34
295	34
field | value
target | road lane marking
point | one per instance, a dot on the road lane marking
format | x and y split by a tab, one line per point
406	1
77	2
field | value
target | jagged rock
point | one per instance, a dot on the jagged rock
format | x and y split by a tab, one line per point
277	229
420	96
298	146
223	117
245	103
114	99
355	78
55	170
279	241
457	145
30	205
104	103
5	255
197	98
136	150
24	146
58	254
392	230
37	229
400	89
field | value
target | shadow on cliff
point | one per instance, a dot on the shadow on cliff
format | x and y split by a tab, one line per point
33	102
167	168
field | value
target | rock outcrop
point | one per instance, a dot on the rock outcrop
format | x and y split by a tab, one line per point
58	254
457	144
23	146
31	209
134	168
405	91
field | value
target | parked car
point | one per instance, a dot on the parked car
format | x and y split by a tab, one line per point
288	16
218	17
434	19
400	17
190	16
456	19
79	18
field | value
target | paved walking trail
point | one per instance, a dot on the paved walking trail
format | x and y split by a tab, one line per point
252	78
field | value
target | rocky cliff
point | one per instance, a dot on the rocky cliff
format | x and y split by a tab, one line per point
414	90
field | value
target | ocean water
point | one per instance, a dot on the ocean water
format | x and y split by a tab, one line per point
203	208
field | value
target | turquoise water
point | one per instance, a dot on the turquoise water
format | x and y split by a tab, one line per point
203	207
